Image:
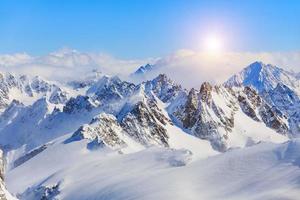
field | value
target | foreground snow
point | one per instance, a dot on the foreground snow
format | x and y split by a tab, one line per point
71	171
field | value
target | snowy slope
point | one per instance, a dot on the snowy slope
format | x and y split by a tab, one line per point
264	171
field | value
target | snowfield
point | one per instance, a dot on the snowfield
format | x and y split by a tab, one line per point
264	171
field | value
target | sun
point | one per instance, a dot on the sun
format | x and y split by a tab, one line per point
213	44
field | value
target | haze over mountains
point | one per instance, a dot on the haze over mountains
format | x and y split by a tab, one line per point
197	66
104	137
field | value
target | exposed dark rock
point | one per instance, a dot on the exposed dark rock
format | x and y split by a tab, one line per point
163	87
4	194
41	192
190	110
272	120
143	126
29	155
111	89
77	104
247	107
103	129
205	92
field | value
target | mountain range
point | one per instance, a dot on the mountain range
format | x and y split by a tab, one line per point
106	138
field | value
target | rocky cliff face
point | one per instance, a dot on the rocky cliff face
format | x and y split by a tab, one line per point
104	129
279	88
210	113
145	123
110	89
287	101
137	114
4	194
78	104
142	122
190	110
201	114
258	109
163	87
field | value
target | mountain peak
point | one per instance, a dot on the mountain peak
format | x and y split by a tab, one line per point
262	77
163	87
161	78
257	66
144	69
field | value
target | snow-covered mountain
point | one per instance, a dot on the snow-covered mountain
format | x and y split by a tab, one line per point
229	118
85	82
79	135
28	89
278	87
264	77
143	70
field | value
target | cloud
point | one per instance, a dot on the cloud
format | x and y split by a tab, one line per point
15	59
68	64
192	68
187	67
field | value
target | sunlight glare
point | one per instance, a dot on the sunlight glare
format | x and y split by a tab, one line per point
213	44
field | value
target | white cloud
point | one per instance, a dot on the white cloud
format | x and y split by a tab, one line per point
192	68
67	64
187	67
15	59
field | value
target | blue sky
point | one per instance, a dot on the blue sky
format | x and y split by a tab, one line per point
147	28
